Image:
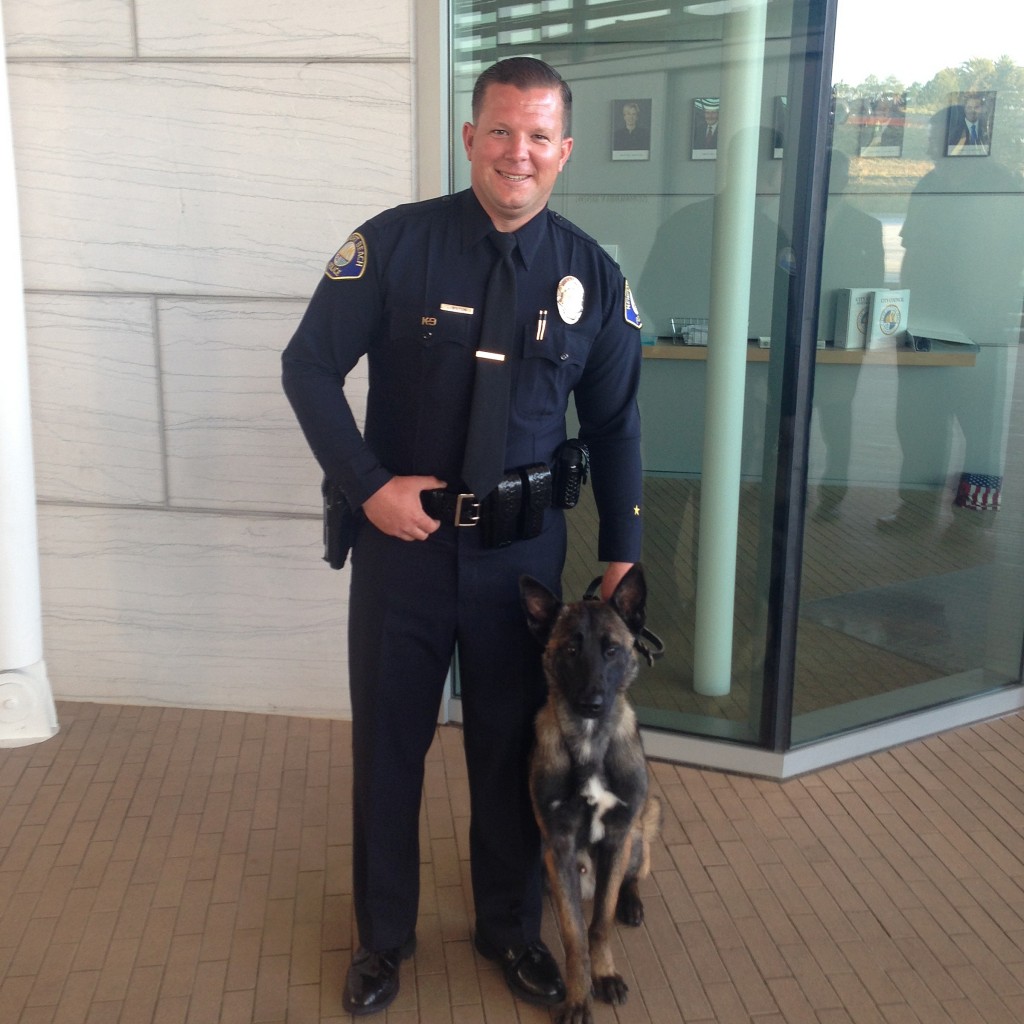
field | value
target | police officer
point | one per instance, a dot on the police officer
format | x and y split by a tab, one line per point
407	289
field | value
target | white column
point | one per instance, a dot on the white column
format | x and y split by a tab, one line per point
731	245
27	713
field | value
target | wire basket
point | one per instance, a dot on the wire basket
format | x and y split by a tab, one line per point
689	330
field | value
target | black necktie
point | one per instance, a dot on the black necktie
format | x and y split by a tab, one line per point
974	135
484	461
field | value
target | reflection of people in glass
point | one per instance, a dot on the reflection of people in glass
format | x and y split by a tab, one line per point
676	279
631	132
882	129
854	257
705	123
970	126
964	253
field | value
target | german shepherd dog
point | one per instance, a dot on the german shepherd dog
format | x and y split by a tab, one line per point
588	779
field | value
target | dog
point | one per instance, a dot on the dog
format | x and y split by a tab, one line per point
589	779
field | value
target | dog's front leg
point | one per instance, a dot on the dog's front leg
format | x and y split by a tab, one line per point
610	863
563	875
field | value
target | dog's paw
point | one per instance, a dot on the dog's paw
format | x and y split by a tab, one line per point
575	1013
630	908
611	989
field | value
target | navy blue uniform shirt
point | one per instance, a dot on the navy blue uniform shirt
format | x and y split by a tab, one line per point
407	289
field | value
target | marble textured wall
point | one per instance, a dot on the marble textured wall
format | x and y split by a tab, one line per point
184	172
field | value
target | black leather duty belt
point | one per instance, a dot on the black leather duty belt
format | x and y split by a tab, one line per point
449	507
514	510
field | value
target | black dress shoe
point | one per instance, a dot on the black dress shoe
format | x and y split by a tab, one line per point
372	981
530	971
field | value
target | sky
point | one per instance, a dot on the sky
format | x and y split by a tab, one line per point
913	40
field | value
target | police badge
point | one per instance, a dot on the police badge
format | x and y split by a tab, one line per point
569	299
349	261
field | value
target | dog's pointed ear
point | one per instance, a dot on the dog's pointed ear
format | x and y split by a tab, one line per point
630	599
540	605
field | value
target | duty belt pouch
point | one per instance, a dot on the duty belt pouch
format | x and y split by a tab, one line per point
338	524
536	498
569	472
499	518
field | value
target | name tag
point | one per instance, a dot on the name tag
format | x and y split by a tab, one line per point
448	308
497	357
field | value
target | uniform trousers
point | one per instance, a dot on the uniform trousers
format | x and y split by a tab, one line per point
412	605
929	407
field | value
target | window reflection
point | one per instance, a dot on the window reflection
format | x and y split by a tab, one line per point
914	447
912	585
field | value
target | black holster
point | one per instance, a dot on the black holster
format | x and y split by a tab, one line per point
569	472
514	510
338	524
536	498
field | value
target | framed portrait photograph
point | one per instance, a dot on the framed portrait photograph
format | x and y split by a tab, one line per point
882	121
705	128
631	129
779	114
969	128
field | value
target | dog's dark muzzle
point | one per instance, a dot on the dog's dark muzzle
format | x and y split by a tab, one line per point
589	701
589	708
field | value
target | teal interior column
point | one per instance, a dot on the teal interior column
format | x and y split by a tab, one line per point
731	247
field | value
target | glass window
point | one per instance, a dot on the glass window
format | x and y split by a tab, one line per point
669	144
690	154
912	589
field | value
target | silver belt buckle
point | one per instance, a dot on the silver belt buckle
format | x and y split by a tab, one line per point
467	503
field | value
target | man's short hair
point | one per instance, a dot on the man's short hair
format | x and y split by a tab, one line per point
524	73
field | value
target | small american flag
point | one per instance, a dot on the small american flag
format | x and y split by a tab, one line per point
979	492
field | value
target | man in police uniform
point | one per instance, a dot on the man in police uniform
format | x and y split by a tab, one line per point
408	289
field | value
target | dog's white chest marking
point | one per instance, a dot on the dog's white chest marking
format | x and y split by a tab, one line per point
602	800
585	748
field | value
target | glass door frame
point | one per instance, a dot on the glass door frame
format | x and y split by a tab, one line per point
803	201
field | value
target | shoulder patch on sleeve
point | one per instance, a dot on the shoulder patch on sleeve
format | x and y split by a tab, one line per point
630	311
349	262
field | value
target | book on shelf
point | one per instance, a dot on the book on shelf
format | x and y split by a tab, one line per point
890	308
853	311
